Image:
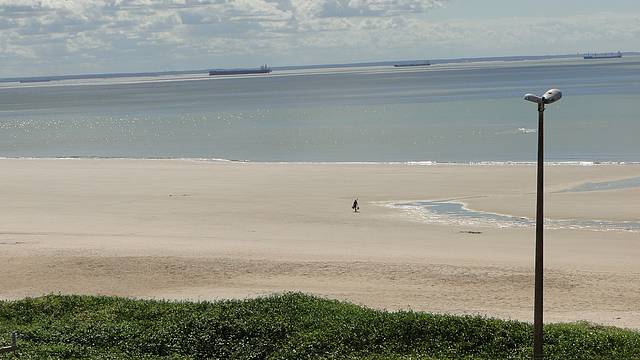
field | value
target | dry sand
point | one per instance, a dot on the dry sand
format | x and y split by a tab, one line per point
209	230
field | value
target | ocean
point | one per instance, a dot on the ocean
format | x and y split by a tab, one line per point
459	113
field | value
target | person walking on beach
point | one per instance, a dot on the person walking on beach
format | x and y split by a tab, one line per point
355	205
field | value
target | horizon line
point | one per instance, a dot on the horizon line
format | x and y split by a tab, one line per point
296	67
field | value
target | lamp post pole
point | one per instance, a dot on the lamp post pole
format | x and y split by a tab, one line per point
539	263
549	97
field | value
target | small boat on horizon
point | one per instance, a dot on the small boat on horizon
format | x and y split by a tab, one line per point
264	69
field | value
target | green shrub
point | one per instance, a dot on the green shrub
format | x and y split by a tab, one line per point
289	326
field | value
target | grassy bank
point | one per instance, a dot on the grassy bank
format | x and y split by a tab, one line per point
291	326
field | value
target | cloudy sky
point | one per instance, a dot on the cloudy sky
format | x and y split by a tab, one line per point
40	37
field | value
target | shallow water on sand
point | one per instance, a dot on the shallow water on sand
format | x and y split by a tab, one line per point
456	213
606	185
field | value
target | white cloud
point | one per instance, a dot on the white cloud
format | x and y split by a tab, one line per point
58	36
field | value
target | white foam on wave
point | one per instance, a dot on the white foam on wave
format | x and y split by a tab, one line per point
517	131
527	131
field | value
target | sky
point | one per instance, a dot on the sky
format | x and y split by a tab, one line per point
55	37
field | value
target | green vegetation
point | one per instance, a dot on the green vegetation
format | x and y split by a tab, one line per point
290	326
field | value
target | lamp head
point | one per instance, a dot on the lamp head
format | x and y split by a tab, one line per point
533	98
551	96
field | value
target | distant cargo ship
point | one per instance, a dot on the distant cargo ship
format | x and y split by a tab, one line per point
264	69
613	55
33	80
422	63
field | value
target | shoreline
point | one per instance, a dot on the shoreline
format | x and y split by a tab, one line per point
169	229
392	162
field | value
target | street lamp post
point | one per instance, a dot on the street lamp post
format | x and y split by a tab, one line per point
549	97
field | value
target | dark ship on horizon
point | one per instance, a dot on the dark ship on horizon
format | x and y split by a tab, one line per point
613	55
413	63
264	69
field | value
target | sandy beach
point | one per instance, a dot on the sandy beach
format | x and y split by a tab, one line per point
199	230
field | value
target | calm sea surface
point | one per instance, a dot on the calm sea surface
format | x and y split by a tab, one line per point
446	113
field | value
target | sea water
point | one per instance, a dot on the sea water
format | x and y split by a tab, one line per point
468	112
